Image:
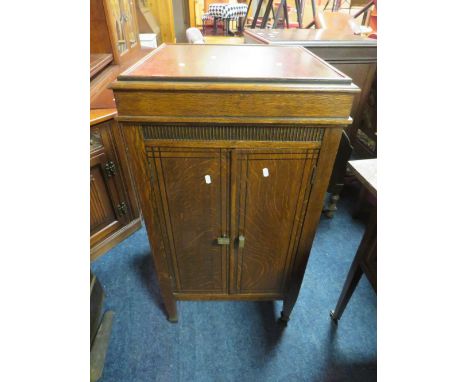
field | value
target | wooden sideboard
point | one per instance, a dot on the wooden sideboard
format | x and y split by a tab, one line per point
115	213
230	169
114	46
354	55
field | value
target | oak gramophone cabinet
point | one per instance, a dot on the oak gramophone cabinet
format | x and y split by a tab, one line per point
232	148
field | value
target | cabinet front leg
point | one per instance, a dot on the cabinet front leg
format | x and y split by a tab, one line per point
289	302
171	308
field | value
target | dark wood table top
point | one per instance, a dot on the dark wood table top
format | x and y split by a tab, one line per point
246	63
366	171
310	37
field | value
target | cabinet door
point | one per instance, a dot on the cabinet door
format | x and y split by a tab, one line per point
192	188
271	188
107	213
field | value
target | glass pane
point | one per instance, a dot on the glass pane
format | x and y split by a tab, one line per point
131	23
118	16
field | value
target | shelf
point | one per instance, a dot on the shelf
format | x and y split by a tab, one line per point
98	62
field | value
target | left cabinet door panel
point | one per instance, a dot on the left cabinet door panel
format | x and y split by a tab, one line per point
192	186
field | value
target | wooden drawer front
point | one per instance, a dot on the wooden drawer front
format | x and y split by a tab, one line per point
272	188
191	185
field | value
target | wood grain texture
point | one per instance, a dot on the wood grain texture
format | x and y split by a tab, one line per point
266	217
314	207
104	219
230	104
99	62
193	211
101	115
153	215
108	226
99	34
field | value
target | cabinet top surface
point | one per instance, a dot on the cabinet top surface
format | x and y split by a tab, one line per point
310	37
232	63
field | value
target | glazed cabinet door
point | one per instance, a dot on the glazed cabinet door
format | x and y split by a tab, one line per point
270	191
190	188
122	23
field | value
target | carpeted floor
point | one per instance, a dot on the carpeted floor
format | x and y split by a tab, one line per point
241	341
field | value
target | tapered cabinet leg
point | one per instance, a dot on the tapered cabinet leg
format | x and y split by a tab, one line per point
171	309
289	302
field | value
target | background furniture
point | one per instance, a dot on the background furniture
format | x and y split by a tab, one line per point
231	173
336	184
227	13
365	260
354	55
269	8
115	213
100	325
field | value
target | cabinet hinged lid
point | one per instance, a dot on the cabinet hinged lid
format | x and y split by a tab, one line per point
234	63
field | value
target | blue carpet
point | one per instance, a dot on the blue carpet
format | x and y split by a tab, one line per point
241	341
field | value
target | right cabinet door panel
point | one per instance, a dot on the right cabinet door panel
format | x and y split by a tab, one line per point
271	188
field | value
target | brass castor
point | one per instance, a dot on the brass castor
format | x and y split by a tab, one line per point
333	317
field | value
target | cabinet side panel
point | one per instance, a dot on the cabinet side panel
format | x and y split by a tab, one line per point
314	207
150	206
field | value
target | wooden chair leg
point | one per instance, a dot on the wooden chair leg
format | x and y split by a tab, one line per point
278	11
267	14
299	12
245	18
257	13
286	16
